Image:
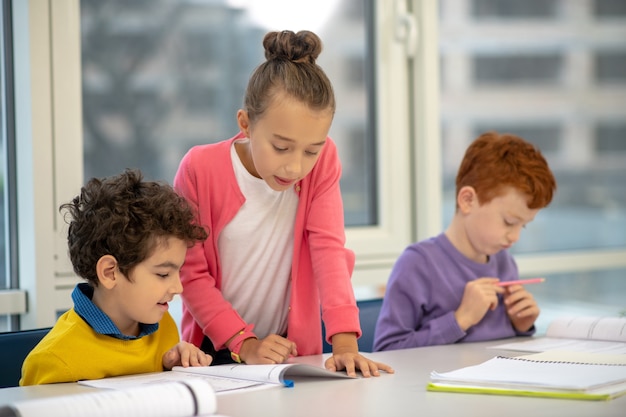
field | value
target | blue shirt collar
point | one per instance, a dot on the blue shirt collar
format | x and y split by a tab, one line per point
98	320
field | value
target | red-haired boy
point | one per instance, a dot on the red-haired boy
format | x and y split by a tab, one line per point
443	290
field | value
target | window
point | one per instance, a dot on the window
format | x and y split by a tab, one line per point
610	138
504	9
414	88
609	8
545	135
514	69
610	67
158	80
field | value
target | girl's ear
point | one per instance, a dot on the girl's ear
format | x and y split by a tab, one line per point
106	269
466	198
243	122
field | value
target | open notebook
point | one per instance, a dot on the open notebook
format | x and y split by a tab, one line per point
555	374
581	334
225	378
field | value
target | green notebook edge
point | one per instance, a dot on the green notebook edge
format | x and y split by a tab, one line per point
524	393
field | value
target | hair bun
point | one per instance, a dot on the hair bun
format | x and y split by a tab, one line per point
301	47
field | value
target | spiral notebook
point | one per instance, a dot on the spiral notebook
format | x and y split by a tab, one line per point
554	374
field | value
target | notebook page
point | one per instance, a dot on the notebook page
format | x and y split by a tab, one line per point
220	384
541	344
595	328
577	357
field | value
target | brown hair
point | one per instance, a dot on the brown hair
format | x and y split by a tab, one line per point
495	161
289	68
127	218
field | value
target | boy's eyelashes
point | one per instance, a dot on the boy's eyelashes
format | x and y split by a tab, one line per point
513	223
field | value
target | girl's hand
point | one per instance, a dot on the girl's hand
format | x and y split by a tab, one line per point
185	354
273	349
346	357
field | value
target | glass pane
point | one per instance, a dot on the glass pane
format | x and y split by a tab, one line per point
586	294
7	323
162	76
5	281
558	81
609	8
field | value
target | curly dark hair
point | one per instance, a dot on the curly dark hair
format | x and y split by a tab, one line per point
127	218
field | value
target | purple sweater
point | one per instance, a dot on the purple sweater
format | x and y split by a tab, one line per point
426	287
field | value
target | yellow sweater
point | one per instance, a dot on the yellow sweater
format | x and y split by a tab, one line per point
72	351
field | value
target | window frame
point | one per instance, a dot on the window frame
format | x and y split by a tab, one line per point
48	151
11	298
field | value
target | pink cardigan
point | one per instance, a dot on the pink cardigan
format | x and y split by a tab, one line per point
322	266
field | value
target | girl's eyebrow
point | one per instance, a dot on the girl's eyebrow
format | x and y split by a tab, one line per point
292	140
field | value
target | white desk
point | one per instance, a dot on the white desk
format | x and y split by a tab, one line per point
401	394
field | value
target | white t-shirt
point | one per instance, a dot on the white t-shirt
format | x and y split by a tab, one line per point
256	249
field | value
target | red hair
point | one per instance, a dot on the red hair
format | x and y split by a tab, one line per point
496	161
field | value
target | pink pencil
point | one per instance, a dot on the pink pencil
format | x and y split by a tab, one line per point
521	282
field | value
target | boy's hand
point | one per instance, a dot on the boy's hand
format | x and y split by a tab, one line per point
521	307
346	357
273	349
185	354
479	296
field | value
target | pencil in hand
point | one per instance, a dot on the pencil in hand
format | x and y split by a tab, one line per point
521	282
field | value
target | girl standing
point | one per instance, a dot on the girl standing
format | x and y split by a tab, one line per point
275	258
